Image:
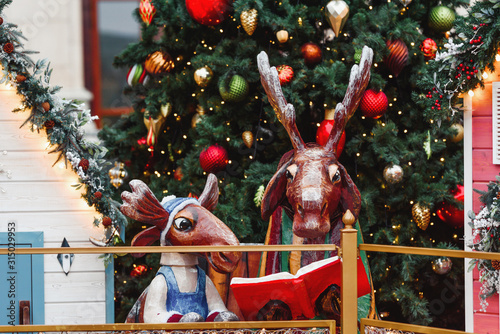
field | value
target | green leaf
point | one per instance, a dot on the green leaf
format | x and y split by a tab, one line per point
259	195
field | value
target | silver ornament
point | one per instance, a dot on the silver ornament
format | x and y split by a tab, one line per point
393	174
442	265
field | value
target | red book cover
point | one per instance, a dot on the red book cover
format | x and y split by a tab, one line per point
298	291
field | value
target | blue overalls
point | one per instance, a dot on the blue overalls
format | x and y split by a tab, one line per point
185	302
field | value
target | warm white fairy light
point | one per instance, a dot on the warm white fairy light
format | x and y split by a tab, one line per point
471	93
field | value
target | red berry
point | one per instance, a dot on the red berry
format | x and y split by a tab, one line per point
98	195
440	96
468	77
106	221
475	28
432	107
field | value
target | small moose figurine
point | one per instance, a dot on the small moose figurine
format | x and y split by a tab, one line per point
181	291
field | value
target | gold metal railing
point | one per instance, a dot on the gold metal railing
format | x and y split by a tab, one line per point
348	251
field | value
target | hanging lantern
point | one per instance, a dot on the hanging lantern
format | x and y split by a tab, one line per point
117	174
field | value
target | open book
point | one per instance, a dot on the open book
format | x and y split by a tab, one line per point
298	291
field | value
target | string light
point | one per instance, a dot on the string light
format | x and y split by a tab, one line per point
497	57
471	93
485	75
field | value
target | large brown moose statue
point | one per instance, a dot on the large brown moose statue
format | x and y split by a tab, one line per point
311	190
181	292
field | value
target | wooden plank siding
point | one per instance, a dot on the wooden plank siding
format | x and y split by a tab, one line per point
483	171
39	197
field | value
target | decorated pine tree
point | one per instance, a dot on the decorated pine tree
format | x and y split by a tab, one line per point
199	107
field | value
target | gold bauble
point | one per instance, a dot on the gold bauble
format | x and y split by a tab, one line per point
203	76
117	174
282	36
247	137
337	12
421	215
460	133
200	112
249	20
159	62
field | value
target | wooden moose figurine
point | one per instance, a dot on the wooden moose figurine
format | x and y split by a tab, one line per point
311	190
181	292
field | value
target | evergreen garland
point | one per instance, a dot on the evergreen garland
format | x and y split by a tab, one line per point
62	121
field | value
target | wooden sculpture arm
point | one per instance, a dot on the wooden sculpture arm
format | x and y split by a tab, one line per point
155	307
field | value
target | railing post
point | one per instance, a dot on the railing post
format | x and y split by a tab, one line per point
349	289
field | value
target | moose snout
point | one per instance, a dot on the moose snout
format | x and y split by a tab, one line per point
311	220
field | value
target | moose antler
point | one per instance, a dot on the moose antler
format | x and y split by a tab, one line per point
284	111
360	75
142	205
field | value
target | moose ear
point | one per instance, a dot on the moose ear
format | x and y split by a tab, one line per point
142	205
276	188
145	238
210	196
350	198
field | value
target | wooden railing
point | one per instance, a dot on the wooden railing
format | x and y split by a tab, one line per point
348	252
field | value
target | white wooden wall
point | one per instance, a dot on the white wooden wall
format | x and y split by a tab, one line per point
39	197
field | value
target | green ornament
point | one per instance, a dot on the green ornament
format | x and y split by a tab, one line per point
357	55
233	88
441	18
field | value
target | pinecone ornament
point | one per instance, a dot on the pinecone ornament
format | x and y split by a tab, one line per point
247	137
495	264
421	215
49	125
8	47
398	56
84	163
249	20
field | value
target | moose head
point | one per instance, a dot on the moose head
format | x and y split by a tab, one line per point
310	183
181	222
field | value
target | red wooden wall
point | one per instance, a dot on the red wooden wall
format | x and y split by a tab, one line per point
483	171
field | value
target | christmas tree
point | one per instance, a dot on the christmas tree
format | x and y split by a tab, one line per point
195	85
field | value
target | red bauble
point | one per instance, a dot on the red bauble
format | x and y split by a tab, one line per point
285	74
449	213
428	48
323	133
311	53
208	12
213	159
373	104
138	270
398	56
